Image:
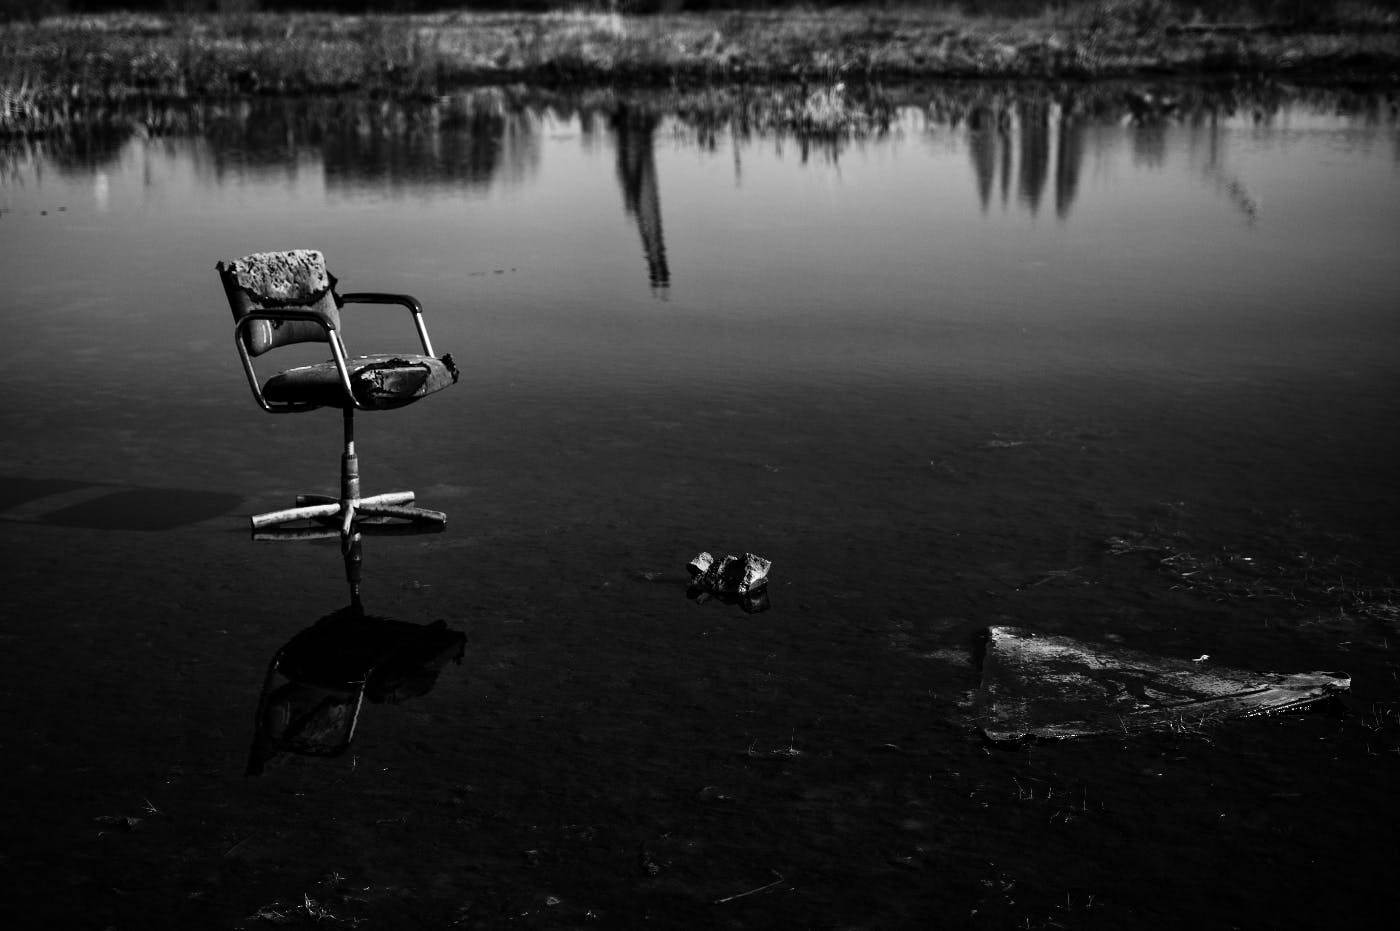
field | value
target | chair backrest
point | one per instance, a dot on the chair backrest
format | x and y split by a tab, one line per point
271	281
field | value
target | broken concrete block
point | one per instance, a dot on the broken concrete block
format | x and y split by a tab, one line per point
718	578
699	565
729	575
753	573
741	580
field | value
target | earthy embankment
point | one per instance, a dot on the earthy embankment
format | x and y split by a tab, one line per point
50	67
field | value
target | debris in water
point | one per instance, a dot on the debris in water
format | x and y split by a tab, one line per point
778	881
732	579
730	575
699	565
1047	686
122	821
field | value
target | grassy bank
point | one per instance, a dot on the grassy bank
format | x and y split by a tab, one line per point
59	61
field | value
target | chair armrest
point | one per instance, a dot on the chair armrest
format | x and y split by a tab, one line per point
312	316
378	297
403	300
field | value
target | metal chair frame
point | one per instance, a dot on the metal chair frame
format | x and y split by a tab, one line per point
349	507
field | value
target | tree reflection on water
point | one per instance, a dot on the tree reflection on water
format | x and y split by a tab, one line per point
641	196
1025	137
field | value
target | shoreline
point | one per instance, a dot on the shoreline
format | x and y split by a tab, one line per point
119	57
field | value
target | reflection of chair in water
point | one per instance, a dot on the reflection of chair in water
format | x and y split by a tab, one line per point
317	682
280	298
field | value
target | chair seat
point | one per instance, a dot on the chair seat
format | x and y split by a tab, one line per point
381	382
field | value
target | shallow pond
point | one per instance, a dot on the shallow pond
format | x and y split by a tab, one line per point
1112	362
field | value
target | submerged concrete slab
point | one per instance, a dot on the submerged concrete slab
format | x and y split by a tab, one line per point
1036	685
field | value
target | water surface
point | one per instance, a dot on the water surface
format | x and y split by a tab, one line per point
1089	360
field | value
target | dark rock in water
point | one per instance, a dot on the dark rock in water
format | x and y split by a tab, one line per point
1047	686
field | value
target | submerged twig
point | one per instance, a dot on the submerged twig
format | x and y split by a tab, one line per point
238	846
763	888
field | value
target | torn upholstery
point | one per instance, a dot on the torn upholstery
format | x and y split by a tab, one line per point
292	280
380	382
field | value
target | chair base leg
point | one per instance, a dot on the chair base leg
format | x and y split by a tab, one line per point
392	497
391	506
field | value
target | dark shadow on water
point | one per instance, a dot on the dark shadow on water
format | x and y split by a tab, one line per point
15	491
63	503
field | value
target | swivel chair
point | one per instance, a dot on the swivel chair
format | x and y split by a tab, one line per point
280	298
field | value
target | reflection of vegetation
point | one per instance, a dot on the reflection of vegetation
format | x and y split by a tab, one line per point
59	61
1021	137
1044	125
272	127
1030	128
1069	153
641	198
1035	151
1225	181
471	138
